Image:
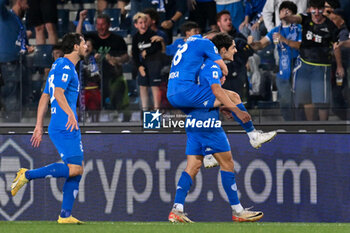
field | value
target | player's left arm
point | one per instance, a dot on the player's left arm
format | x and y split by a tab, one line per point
42	109
72	123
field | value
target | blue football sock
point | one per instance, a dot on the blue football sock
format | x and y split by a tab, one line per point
53	170
229	184
183	186
70	192
248	126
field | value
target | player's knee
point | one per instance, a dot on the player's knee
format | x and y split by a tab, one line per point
227	165
39	29
75	170
235	97
51	28
193	169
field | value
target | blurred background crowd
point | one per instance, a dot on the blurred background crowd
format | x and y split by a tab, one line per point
292	62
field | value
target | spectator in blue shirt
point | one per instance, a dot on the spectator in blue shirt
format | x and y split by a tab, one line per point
287	38
253	18
13	40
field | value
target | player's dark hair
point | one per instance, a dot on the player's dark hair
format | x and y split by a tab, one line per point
153	14
222	40
69	40
316	3
335	4
188	26
290	6
104	16
221	13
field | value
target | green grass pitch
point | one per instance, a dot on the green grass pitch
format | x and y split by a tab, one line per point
160	227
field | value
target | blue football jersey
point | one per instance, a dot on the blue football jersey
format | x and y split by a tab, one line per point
63	75
187	61
170	50
210	73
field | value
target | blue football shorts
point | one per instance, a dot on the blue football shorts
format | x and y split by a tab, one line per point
204	143
198	96
68	145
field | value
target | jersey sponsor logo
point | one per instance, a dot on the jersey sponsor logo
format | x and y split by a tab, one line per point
66	67
64	77
314	37
324	29
53	110
143	45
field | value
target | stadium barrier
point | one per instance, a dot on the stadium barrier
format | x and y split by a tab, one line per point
133	177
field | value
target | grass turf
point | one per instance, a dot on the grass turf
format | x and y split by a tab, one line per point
159	227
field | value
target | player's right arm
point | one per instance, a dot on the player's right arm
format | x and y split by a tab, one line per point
42	109
213	54
223	66
62	102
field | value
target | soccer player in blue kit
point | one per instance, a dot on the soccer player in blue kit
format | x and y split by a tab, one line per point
201	142
183	91
62	90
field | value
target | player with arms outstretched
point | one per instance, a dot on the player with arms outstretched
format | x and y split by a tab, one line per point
62	90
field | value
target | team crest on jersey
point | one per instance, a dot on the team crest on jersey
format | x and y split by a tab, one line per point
66	67
64	77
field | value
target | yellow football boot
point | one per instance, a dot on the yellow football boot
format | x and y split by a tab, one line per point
69	220
19	181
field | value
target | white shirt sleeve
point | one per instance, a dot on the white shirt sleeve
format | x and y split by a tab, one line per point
268	11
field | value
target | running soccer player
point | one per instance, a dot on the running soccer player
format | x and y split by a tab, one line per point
201	142
62	90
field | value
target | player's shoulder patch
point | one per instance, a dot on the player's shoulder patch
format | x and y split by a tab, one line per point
64	77
216	50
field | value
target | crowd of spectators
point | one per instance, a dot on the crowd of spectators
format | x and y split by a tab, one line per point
298	48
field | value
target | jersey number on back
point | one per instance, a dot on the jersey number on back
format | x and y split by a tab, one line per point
52	88
178	55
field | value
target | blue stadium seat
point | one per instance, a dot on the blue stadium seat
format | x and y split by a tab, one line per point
43	56
63	22
115	15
